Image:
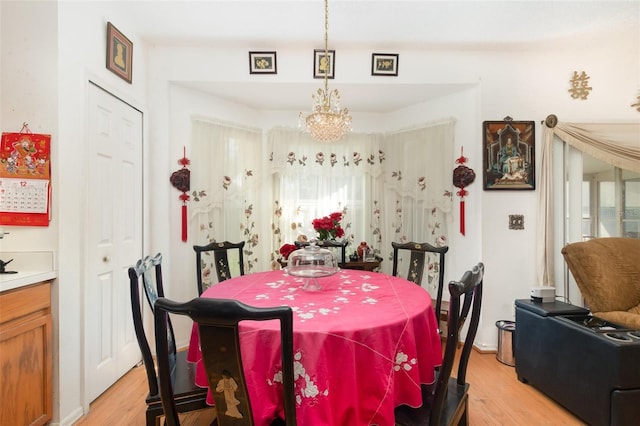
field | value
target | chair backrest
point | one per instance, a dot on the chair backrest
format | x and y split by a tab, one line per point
217	321
342	245
146	276
419	255
469	286
220	260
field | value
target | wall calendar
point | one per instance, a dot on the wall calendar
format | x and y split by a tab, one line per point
25	179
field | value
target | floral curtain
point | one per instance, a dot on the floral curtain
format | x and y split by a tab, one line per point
417	201
226	183
388	187
313	179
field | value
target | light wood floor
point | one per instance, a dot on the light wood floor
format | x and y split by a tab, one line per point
496	397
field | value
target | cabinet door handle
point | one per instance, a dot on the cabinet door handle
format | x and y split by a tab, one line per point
105	259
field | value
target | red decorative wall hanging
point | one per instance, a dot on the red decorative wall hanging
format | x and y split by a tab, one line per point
25	178
463	176
181	179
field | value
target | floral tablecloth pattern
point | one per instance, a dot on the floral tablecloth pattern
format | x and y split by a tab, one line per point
362	346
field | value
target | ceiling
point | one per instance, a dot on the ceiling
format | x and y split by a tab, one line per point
378	25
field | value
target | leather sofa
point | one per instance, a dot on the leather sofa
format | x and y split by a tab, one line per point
587	365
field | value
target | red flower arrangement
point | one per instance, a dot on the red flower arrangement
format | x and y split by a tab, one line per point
328	227
287	249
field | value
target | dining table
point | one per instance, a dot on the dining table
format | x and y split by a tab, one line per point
363	345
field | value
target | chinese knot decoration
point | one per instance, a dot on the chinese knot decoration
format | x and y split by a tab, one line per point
328	227
181	180
463	176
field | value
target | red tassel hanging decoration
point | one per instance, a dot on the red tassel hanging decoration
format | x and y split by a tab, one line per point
461	215
181	180
184	222
462	176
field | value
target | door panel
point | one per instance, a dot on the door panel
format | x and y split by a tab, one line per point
114	237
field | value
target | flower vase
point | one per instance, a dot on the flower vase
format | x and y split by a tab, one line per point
324	235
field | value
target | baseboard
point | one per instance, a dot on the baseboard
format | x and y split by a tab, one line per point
484	351
70	419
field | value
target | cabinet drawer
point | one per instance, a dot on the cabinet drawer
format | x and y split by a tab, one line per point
24	301
26	355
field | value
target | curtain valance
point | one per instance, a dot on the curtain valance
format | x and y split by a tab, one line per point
295	152
617	144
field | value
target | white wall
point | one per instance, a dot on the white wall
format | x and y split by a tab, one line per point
526	85
49	52
82	53
29	93
44	82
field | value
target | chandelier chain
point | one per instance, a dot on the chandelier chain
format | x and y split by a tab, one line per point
327	121
326	46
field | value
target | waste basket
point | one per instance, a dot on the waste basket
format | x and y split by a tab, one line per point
505	342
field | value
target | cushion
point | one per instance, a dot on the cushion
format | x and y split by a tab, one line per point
607	271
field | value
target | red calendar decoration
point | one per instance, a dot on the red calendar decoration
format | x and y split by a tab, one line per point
25	178
463	176
181	180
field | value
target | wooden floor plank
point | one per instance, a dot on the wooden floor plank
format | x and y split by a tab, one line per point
496	397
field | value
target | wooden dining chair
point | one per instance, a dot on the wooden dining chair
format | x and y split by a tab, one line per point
217	321
419	257
220	261
447	402
341	245
146	276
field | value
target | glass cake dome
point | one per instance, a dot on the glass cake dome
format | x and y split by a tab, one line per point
312	262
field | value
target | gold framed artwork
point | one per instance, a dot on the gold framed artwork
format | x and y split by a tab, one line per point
509	154
324	62
263	63
119	53
384	64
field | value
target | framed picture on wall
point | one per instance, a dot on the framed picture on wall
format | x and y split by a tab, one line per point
509	154
263	63
324	62
384	64
119	53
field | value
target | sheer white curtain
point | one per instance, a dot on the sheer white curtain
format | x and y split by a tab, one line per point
418	194
226	184
617	144
394	187
313	179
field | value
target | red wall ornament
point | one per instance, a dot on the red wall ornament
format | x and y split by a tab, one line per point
463	176
25	178
181	179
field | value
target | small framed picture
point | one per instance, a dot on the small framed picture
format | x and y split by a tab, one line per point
119	53
324	62
384	64
262	63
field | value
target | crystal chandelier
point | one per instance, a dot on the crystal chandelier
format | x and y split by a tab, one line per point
327	122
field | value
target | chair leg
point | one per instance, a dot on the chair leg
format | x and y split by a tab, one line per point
153	418
464	420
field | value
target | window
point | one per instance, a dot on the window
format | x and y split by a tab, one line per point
266	188
610	201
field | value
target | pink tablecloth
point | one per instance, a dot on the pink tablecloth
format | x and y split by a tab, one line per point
362	345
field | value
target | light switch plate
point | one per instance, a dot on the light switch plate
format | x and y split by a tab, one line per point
516	221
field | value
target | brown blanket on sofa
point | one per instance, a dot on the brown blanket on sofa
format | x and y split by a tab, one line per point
607	271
